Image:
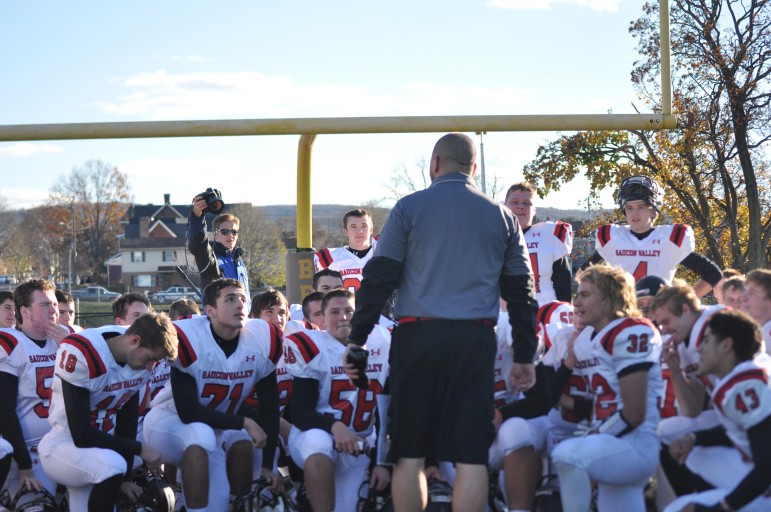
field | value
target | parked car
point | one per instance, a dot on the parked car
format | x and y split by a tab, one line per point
96	293
173	293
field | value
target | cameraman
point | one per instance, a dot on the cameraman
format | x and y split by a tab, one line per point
221	258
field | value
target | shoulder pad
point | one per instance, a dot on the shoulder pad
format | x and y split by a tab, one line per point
562	230
603	234
8	342
185	353
305	346
92	358
633	333
678	234
324	258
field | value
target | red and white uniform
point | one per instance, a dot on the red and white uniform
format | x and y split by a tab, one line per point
317	355
73	328
658	254
552	317
85	360
766	329
563	422
34	367
742	400
547	242
223	382
619	465
674	425
345	262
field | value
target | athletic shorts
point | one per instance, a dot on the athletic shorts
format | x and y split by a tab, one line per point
442	387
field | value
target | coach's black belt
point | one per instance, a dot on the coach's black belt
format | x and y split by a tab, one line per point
410	319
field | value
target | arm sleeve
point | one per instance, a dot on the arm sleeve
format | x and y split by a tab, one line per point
76	404
519	294
304	397
10	426
126	422
559	380
594	260
267	416
704	267
381	276
715	436
185	393
759	478
562	279
201	250
536	402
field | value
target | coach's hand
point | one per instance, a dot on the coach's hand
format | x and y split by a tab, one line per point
27	479
345	440
152	459
522	376
259	437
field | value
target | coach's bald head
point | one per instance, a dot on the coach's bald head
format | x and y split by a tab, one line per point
455	152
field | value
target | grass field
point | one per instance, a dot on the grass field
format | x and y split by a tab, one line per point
97	314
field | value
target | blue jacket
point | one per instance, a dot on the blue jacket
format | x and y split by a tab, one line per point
213	259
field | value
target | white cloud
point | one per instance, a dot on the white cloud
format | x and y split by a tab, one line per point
27	149
189	58
164	95
595	5
24	197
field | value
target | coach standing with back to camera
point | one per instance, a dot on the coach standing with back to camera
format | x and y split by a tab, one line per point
451	252
222	258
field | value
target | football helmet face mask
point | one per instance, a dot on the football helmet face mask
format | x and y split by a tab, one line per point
374	500
157	496
641	188
260	499
27	500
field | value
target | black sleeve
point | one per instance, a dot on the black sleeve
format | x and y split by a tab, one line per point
305	394
715	436
562	279
201	250
759	478
519	294
559	379
536	401
76	405
704	267
189	409
126	422
380	277
594	260
10	426
267	416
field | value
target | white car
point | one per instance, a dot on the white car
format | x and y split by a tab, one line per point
174	293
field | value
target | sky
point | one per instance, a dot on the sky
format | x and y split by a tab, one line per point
72	62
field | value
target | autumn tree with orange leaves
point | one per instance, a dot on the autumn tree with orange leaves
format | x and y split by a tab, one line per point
713	165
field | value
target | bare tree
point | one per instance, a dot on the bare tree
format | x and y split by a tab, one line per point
97	194
263	245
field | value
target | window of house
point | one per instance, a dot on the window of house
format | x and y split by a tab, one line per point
143	280
137	256
169	255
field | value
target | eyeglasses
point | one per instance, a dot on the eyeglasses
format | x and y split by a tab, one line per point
226	232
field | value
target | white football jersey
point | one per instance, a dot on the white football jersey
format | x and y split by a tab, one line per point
658	254
223	382
622	343
73	328
84	360
552	317
160	378
579	382
317	355
547	242
767	336
34	367
743	399
345	262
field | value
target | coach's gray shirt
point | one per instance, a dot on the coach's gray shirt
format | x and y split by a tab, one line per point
455	243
